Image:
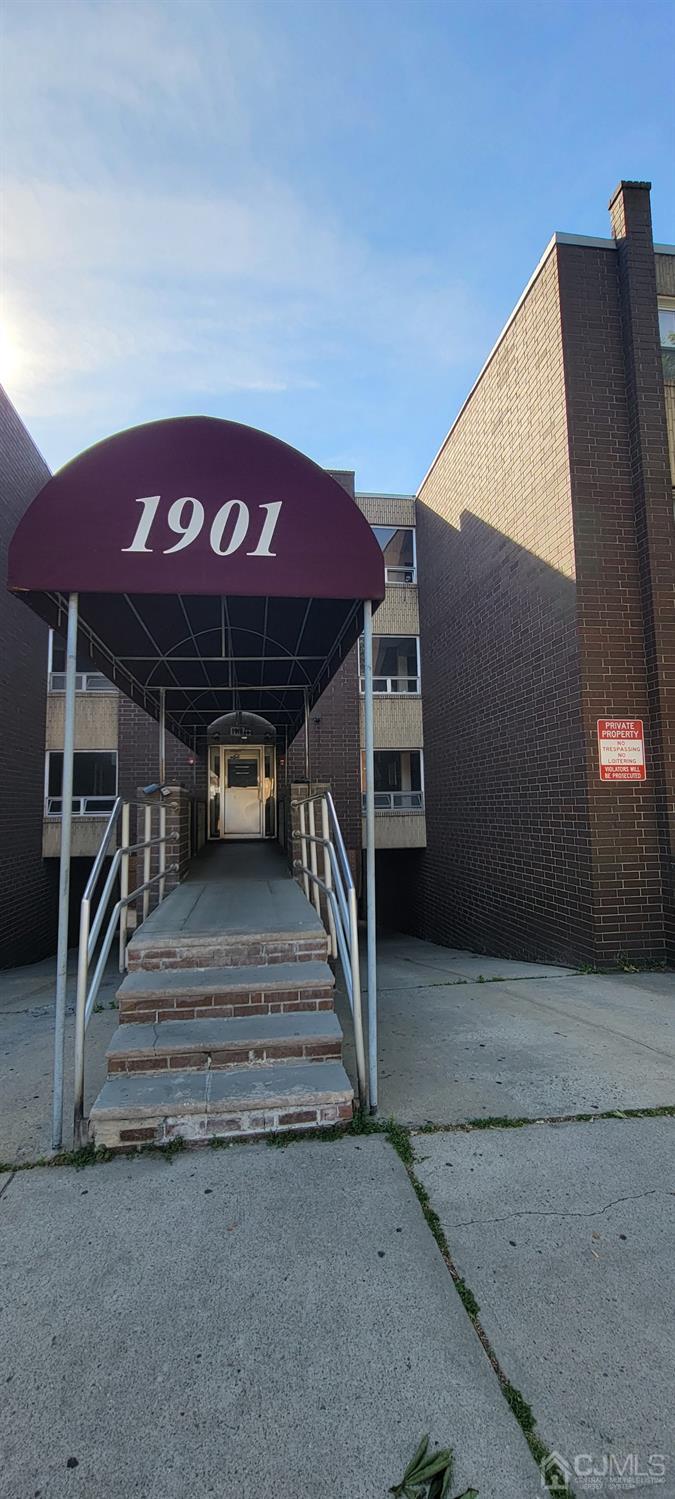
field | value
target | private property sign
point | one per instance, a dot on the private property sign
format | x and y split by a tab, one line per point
621	746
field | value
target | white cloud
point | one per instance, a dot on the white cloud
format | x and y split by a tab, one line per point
129	270
229	293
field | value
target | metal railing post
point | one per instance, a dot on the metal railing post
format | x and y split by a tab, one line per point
64	873
370	851
162	735
359	1048
124	882
162	851
316	897
339	892
308	768
147	835
328	875
303	849
80	1022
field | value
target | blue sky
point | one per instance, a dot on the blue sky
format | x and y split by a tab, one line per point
311	217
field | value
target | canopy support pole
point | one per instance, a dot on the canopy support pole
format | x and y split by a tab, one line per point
370	853
64	872
307	764
162	736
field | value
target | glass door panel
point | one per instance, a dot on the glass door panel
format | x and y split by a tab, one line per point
243	793
215	796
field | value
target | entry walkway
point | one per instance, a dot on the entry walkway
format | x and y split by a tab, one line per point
233	887
227	1023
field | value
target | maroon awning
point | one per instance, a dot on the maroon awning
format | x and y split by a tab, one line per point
211	560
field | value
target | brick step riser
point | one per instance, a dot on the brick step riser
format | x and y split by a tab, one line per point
212	1007
228	1059
198	1129
230	955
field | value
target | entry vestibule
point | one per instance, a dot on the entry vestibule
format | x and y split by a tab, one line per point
241	791
218	621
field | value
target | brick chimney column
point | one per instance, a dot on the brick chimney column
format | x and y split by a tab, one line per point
630	212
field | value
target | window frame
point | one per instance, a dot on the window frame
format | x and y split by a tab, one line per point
388	571
667	304
80	802
379	677
387	807
85	681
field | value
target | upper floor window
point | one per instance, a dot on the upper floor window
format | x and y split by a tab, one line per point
396	663
398	781
94	782
87	679
667	334
398	545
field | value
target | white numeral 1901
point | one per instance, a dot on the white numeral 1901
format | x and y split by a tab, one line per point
186	519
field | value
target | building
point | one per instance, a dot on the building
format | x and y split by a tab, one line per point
530	593
546	550
28	885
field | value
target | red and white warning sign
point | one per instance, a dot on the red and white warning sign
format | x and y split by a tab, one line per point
621	745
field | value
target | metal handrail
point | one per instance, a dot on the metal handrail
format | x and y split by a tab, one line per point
339	891
90	931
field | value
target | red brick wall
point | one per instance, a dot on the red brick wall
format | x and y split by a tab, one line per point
547	593
652	493
626	865
507	867
28	892
139	754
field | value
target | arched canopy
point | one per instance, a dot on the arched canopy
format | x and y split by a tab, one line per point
211	561
231	728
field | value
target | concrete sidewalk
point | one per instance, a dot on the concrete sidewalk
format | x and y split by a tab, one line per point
538	1043
530	1041
27	1055
566	1236
242	1322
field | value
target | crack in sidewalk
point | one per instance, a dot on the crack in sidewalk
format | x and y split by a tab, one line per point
560	1212
8	1183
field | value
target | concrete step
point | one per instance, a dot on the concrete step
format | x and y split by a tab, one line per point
150	951
157	995
183	1044
145	1108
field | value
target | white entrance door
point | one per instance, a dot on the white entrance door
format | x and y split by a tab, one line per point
243	810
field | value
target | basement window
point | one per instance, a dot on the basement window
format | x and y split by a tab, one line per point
396	664
667	337
94	783
398	546
398	781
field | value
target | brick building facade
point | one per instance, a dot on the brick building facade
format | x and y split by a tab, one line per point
547	572
531	592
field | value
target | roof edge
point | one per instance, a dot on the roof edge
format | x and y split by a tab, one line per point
524	294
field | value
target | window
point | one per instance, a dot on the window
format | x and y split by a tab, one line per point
94	782
398	781
396	663
88	679
241	772
398	545
667	335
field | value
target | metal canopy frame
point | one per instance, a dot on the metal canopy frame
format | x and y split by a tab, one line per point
228	624
282	679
